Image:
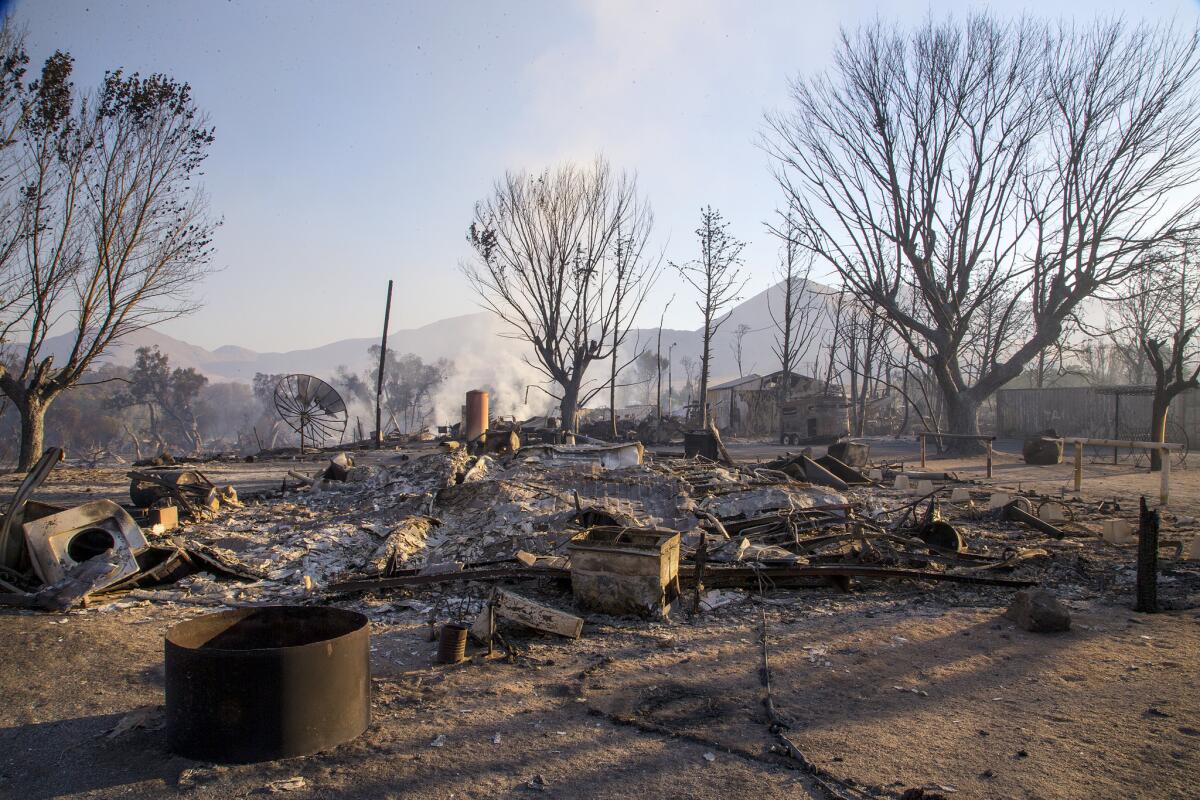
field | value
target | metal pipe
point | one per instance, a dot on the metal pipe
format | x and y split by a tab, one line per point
1122	443
976	436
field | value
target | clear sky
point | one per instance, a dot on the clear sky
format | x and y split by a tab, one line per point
354	138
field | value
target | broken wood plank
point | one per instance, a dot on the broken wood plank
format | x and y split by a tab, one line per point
1013	512
535	615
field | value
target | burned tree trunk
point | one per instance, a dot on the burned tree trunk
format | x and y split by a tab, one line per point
569	409
1147	562
962	417
1159	408
33	430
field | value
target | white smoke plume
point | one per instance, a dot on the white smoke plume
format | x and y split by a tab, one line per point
502	373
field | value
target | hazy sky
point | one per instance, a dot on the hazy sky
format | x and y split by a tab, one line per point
354	138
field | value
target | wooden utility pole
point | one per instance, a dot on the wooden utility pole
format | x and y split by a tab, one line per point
387	315
658	368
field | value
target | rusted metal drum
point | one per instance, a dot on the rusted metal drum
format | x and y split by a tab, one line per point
452	646
476	422
257	684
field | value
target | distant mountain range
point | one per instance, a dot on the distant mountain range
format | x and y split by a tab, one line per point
482	354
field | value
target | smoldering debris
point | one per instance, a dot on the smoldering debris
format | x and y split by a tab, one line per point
446	527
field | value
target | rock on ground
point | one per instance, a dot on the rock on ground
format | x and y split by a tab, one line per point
1039	611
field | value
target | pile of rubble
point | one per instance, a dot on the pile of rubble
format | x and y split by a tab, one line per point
437	531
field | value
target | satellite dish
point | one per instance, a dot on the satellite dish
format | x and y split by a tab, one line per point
311	407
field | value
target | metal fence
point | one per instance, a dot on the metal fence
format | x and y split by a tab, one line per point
1092	412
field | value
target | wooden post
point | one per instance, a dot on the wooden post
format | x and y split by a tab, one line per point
1147	561
387	314
491	615
989	458
921	436
1116	423
1164	487
1078	466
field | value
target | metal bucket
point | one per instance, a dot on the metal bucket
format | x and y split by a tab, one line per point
257	684
700	443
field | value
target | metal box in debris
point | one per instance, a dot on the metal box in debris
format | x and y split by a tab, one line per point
623	571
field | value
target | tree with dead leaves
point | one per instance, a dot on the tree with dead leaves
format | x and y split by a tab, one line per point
717	277
167	394
559	258
978	162
111	232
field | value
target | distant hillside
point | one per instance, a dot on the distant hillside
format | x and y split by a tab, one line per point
482	354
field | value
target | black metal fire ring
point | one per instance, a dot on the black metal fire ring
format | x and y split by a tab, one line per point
257	684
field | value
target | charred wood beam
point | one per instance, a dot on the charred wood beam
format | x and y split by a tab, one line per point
405	581
731	577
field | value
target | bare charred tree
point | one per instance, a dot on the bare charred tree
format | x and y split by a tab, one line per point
862	338
645	369
1137	316
739	333
112	231
547	265
628	286
972	158
1169	345
717	277
689	371
797	320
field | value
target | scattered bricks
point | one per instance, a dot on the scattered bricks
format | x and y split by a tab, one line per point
998	500
167	517
1117	531
1052	511
1039	611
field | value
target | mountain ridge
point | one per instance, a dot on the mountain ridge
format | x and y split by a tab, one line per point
478	346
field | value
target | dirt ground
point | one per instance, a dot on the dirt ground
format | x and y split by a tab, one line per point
891	687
